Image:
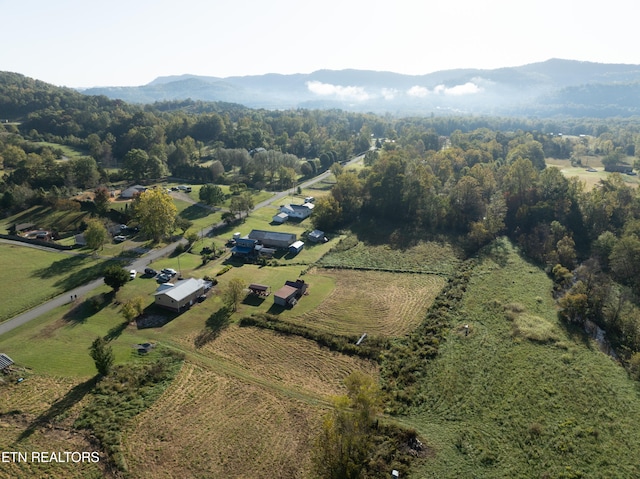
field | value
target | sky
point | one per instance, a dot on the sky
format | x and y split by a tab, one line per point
86	43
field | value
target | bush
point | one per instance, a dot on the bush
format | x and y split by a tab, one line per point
224	270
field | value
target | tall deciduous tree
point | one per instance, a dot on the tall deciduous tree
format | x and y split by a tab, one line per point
116	277
211	194
233	293
96	234
156	213
345	441
101	200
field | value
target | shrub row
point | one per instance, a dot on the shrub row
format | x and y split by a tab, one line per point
370	348
403	364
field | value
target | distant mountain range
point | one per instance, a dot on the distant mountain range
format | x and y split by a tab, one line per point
547	89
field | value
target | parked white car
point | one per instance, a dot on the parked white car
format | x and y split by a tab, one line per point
132	274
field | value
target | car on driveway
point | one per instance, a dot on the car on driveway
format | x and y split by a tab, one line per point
132	274
119	238
169	272
163	278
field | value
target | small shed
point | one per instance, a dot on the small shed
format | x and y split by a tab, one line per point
259	289
316	236
296	247
280	218
286	296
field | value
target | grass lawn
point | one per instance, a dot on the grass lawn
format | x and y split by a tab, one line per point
59	342
523	396
40	275
45	217
590	179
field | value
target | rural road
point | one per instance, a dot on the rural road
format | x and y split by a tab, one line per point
138	264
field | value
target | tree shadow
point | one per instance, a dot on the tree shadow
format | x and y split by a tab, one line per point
216	323
62	405
154	316
60	267
195	212
87	308
82	277
576	333
116	331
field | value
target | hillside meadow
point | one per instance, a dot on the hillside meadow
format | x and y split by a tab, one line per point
522	395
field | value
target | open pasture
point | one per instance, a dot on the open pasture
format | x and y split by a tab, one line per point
378	303
423	256
589	178
523	395
22	405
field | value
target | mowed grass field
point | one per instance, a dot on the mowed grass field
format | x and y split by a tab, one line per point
437	257
522	395
589	178
33	398
32	276
210	425
378	303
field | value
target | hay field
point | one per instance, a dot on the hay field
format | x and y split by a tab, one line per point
291	363
22	405
378	303
209	425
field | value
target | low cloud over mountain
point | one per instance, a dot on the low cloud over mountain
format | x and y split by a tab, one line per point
554	87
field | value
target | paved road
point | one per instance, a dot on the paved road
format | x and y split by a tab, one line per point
138	264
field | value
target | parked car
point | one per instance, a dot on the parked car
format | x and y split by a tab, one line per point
132	274
163	278
150	271
119	238
169	272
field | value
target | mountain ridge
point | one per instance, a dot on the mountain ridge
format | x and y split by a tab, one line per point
541	88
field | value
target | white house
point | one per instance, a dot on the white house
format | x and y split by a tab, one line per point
132	191
297	211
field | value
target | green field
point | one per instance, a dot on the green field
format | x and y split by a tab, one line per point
522	395
37	275
423	257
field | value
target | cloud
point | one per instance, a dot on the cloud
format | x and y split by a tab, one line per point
418	91
343	92
389	93
468	88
